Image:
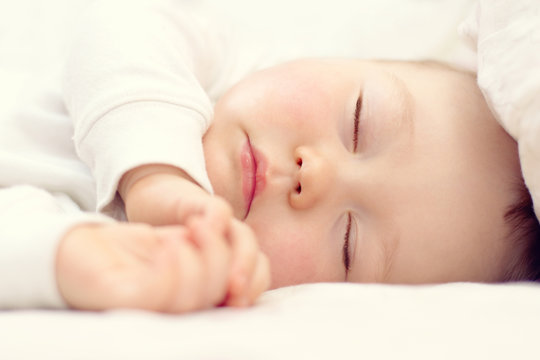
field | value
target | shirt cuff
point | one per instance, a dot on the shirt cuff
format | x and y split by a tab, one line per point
138	134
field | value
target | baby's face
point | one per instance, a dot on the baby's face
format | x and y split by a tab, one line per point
366	172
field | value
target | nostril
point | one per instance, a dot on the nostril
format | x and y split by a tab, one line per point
299	162
298	188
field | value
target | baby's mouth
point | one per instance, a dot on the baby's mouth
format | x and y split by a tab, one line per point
253	166
249	171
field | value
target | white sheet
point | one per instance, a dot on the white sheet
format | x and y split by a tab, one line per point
322	321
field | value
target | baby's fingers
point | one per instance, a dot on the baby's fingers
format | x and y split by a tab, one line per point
216	258
260	281
218	214
181	265
245	265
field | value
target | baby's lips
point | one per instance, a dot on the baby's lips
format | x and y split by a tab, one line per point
260	175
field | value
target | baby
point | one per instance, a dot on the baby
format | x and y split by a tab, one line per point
346	170
320	170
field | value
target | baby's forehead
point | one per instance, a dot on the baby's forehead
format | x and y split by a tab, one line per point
460	85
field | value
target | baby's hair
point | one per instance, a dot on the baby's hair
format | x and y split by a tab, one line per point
524	235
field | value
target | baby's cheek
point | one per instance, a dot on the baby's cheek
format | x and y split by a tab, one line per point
292	257
306	110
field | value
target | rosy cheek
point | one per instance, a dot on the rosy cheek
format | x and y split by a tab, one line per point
300	104
297	109
292	259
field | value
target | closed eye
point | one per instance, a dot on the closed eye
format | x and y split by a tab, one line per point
346	247
357	110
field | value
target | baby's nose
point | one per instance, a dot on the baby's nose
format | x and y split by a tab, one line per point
313	178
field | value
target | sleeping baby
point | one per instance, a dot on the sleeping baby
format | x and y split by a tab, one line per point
218	177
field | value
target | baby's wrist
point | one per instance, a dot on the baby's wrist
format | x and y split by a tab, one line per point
133	176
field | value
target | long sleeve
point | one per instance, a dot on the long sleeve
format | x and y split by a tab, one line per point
31	223
134	87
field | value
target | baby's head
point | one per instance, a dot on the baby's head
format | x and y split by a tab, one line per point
372	172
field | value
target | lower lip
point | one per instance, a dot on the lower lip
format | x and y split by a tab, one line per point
253	173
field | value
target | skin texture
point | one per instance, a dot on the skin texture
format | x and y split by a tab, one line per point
426	187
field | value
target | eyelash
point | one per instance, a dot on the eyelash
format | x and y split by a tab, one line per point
357	110
346	254
346	242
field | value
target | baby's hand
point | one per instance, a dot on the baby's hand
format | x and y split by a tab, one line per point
165	195
250	269
169	269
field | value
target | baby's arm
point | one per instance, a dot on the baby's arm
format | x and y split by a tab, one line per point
31	223
134	88
212	259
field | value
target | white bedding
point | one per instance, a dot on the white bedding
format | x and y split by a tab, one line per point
319	321
322	321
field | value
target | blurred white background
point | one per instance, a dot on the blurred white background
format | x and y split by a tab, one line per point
33	32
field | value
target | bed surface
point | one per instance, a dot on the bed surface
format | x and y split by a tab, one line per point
318	321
